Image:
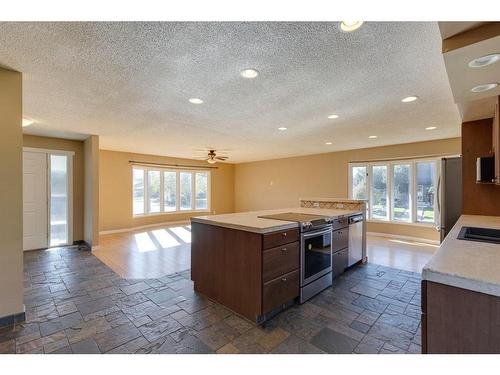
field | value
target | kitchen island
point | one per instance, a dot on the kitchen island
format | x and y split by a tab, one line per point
461	293
248	263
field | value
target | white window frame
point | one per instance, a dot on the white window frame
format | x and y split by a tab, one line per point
177	191
390	189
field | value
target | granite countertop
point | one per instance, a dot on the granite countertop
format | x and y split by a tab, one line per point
468	265
251	222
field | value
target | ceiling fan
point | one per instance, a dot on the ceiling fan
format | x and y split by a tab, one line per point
213	158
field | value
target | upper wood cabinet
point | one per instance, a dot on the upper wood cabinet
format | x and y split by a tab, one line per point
496	139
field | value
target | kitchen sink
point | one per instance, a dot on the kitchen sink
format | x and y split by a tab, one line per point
479	234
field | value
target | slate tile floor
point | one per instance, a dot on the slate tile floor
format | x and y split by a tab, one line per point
76	304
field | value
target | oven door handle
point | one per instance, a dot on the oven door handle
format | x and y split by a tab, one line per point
314	234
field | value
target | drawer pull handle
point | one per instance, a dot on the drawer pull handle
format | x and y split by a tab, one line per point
283	250
284	234
283	279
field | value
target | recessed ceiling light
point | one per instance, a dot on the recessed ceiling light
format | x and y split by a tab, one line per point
372	136
249	73
485	87
281	128
350	26
328	143
333	116
27	122
431	128
195	101
484	60
409	99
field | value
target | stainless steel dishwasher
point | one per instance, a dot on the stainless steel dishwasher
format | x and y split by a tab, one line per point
355	249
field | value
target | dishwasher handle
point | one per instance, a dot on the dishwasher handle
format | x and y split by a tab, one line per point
355	219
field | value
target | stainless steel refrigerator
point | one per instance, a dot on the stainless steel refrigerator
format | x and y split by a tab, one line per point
449	194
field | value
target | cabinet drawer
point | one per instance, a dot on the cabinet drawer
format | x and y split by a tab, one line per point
340	239
280	290
339	223
280	260
280	238
339	262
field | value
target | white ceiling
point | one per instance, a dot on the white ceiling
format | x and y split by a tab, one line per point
130	84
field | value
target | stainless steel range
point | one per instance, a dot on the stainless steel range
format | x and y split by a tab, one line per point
315	251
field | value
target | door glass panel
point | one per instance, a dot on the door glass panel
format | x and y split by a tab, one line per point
401	192
317	254
138	189
169	191
379	192
154	191
58	200
201	202
185	187
425	191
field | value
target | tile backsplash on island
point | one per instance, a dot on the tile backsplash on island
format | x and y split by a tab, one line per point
335	203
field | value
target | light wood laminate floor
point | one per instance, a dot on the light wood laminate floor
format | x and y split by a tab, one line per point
405	255
148	253
160	251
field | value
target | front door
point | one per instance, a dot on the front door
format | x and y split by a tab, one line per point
35	226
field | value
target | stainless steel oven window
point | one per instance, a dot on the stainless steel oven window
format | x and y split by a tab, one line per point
315	255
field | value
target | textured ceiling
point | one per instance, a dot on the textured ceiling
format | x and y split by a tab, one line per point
130	84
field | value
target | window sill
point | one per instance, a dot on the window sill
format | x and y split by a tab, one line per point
424	225
171	213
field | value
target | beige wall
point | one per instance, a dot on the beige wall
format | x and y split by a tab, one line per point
281	182
11	190
78	179
115	180
91	191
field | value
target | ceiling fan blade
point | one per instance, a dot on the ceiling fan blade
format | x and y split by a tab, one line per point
221	158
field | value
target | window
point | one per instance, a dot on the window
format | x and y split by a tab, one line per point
379	193
201	202
169	191
138	187
157	190
186	189
425	192
401	199
153	191
398	191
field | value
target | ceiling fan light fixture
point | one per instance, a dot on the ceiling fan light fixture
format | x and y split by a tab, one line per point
195	101
211	161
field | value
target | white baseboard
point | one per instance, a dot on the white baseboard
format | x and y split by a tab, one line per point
166	223
399	237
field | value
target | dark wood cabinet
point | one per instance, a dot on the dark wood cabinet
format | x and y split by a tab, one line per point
280	260
280	238
456	320
250	273
496	139
280	290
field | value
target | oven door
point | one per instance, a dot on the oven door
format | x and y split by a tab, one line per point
315	255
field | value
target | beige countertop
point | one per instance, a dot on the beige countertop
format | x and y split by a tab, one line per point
469	265
251	222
